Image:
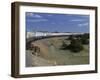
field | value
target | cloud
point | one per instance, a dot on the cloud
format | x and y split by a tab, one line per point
53	23
50	15
83	24
62	23
35	17
36	20
76	20
30	14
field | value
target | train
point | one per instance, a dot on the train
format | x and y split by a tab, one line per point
43	34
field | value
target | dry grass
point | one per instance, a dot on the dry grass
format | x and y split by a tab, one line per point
49	50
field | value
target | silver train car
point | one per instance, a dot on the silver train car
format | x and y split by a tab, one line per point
43	34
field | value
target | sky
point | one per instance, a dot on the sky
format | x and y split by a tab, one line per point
57	22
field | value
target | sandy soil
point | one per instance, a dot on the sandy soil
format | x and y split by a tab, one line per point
50	54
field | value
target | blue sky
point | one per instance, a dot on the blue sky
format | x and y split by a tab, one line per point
57	22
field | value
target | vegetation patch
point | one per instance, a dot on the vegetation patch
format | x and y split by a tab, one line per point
76	43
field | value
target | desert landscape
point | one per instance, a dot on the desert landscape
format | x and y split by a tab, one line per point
51	54
57	39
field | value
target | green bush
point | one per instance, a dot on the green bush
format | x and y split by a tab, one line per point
64	46
75	45
76	42
85	39
70	37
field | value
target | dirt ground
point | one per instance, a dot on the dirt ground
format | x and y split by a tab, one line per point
51	54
